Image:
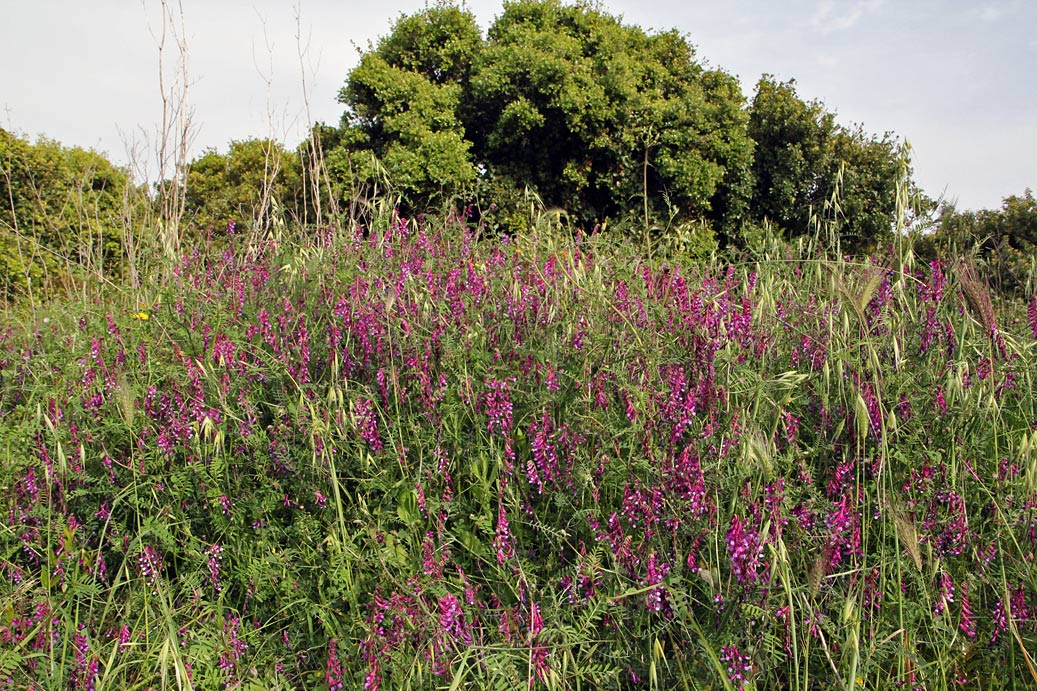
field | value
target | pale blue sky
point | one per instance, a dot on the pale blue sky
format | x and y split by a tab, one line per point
954	77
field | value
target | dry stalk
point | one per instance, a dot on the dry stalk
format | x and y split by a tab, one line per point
977	295
176	131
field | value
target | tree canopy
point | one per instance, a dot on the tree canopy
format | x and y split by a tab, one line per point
1004	240
599	118
805	161
255	183
607	122
404	101
61	210
565	103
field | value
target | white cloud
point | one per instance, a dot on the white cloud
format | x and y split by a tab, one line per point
833	15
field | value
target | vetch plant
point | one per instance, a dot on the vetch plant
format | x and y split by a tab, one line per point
407	456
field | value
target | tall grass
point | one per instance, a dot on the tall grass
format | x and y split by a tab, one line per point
402	455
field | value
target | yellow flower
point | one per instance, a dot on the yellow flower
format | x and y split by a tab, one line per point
143	316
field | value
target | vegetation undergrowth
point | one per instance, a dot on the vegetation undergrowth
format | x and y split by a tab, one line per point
404	456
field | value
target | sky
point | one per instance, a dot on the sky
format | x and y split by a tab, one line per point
954	78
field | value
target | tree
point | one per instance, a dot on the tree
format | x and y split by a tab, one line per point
1019	221
602	118
256	183
1003	240
804	160
597	117
404	101
792	139
61	214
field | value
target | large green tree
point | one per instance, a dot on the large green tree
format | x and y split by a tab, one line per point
603	118
808	167
403	126
792	139
599	118
61	213
255	184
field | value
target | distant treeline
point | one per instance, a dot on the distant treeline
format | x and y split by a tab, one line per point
558	106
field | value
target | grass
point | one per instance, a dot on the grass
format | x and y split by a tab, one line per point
412	457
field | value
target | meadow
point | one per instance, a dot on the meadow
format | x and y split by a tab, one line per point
414	455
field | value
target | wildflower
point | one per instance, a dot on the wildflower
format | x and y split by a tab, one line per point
84	673
745	549
932	292
1000	620
431	563
630	409
739	665
502	539
539	650
235	646
142	316
215	554
451	619
967	623
844	530
656	571
946	594
791	425
150	566
940	403
543	466
497	402
1031	316
551	382
367	424
334	668
373	680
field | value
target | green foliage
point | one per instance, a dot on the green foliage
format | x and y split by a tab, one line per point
602	118
1003	240
404	99
808	169
255	184
61	214
405	457
791	138
608	122
599	118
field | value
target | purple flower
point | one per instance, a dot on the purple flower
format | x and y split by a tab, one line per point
1031	316
334	668
497	405
946	594
502	540
655	571
932	292
367	424
940	403
215	554
150	566
739	665
967	623
745	549
1000	620
452	621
